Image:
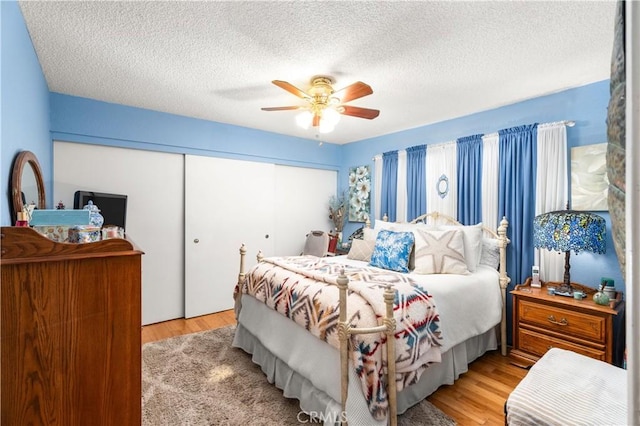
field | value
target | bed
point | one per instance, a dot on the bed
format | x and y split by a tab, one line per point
319	327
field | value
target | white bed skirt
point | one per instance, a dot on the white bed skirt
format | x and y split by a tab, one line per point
308	369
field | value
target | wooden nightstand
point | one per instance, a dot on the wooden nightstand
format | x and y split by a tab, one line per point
542	321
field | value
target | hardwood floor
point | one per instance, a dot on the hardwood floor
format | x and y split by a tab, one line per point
477	397
177	327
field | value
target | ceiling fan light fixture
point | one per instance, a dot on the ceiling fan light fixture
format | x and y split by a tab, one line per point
304	119
326	127
325	106
330	116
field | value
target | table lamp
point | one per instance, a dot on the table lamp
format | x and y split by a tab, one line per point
567	230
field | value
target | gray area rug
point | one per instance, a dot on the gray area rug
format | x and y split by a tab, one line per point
199	379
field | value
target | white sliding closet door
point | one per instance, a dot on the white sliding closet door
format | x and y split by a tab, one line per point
302	205
154	185
227	203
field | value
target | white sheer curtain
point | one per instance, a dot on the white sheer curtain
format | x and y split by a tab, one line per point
442	161
401	201
377	187
551	190
490	168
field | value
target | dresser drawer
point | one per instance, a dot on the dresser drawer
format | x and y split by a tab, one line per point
538	344
564	321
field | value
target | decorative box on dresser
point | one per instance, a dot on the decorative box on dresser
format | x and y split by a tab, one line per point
542	321
70	331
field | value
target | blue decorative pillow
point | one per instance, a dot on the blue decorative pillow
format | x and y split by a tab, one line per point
392	250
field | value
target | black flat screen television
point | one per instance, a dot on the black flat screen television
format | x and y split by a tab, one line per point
113	207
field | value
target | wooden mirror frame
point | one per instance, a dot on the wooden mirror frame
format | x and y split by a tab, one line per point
22	159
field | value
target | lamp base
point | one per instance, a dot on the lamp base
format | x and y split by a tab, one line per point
564	290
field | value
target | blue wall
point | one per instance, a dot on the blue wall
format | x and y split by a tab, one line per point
84	120
586	105
25	104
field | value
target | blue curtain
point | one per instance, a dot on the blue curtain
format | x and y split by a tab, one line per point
389	184
516	201
470	179
416	181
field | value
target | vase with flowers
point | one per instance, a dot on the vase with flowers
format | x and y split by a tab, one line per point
338	213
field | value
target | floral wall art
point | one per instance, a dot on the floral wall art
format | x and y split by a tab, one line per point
359	193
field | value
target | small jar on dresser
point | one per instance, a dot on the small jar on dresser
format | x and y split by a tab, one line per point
542	320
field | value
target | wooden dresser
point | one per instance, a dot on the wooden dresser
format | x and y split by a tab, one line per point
70	331
542	321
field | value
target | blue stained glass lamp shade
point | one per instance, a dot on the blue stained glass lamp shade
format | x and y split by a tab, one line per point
569	230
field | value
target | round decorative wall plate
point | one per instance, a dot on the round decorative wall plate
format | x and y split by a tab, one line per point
442	186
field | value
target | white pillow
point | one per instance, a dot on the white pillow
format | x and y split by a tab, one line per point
402	226
440	252
472	243
411	227
381	224
369	234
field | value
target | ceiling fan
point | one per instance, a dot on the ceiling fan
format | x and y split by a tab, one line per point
324	105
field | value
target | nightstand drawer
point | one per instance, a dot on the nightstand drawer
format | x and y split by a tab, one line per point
538	344
564	321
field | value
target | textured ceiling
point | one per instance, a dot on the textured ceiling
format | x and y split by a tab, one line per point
426	61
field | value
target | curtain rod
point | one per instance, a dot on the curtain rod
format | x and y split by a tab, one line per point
568	123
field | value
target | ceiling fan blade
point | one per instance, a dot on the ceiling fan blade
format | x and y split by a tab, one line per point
316	120
354	91
359	112
291	89
281	108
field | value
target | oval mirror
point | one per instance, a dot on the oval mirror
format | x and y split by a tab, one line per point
27	184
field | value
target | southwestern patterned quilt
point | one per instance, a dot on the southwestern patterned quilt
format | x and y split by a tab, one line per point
300	288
